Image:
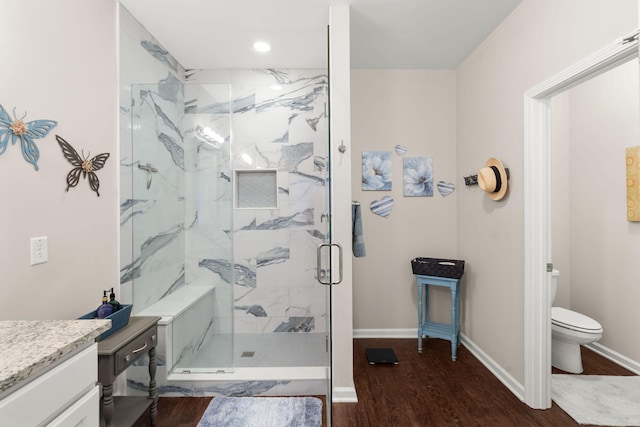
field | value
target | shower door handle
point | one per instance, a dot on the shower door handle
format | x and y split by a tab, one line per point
319	263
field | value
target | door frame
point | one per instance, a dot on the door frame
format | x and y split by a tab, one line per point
537	206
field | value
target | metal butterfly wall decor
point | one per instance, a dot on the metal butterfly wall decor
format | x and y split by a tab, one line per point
83	165
14	129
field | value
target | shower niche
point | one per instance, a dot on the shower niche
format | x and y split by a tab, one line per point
256	189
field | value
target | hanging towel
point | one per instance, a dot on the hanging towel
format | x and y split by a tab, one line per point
356	221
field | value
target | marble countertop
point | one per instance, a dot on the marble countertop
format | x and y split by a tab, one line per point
28	347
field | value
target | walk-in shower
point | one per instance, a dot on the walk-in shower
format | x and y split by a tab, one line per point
224	203
234	283
230	227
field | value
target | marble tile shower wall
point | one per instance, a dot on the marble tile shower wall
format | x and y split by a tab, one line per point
277	120
178	224
152	213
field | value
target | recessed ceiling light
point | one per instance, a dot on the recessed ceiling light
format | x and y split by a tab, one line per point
262	46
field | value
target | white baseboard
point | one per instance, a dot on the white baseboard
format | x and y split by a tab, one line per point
615	357
344	395
505	378
498	371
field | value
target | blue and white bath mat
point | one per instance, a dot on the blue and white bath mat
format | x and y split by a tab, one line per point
263	412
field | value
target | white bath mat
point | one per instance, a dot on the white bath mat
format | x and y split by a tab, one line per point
598	399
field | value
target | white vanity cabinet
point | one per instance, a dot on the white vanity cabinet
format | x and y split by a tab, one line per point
67	394
49	373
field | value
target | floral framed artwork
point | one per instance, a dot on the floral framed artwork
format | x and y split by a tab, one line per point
418	176
376	170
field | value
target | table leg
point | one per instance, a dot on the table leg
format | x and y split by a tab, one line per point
153	393
107	404
454	323
419	316
458	316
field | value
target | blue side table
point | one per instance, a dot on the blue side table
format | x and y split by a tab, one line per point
427	328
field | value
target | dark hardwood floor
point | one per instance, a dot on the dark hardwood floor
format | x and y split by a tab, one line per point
427	389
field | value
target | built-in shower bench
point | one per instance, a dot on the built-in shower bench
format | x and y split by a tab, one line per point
174	304
185	317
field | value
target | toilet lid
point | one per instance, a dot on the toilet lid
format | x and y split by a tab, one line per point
572	320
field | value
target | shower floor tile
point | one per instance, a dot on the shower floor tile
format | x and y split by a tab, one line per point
269	350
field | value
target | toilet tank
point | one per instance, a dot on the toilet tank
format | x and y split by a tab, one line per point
555	274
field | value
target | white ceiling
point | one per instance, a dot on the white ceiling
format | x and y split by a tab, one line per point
391	34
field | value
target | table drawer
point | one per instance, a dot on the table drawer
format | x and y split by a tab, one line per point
136	348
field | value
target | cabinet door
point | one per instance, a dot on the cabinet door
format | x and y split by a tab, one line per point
84	413
52	392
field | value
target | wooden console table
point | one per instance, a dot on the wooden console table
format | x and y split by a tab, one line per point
117	352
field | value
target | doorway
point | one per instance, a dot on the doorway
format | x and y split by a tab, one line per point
537	222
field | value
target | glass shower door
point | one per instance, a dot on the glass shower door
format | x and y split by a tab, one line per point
182	249
206	128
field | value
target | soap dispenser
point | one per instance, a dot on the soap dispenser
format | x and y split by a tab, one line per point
105	309
115	304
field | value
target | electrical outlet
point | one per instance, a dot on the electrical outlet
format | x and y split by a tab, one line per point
39	250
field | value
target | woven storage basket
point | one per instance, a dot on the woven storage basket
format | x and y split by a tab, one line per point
440	267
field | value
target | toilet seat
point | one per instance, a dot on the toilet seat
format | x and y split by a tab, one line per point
568	319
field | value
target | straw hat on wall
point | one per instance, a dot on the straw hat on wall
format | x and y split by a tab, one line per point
492	178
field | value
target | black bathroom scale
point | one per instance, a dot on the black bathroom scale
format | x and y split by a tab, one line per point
378	356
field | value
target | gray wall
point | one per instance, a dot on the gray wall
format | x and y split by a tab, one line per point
59	69
416	109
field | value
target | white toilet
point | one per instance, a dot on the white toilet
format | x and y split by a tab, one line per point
568	331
